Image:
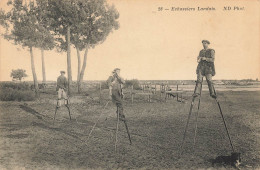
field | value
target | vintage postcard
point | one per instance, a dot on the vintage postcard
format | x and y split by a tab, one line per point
129	84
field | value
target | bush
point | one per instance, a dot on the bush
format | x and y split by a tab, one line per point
128	84
10	91
10	94
104	85
17	86
135	83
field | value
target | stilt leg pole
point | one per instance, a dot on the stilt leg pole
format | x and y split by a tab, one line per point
220	110
186	127
96	121
196	121
185	131
56	111
68	110
129	137
68	107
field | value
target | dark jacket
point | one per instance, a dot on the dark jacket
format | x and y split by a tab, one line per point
207	67
62	83
115	82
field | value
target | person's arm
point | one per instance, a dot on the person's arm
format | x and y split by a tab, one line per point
212	59
120	79
199	57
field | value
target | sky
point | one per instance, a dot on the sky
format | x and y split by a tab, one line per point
159	45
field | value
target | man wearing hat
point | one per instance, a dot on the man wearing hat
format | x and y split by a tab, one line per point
115	83
62	86
205	68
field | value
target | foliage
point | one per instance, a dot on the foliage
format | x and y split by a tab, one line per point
90	21
10	91
104	85
135	83
16	95
25	26
28	29
18	74
15	86
87	23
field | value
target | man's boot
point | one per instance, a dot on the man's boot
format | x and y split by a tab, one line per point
197	89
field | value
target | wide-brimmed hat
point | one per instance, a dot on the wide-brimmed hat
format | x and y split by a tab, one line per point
206	41
62	71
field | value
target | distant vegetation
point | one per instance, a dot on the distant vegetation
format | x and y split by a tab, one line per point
128	84
18	74
24	91
10	91
135	83
243	82
53	24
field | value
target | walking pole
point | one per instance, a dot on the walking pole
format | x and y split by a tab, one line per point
96	121
117	128
191	106
129	137
197	114
224	121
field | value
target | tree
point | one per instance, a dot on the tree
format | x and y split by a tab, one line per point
61	15
84	24
18	74
47	42
93	30
23	28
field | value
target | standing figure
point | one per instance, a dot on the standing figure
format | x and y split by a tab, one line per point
62	86
115	83
205	68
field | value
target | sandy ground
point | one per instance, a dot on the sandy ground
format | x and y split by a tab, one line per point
29	139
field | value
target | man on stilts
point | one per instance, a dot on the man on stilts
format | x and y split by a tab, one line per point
115	82
62	87
205	68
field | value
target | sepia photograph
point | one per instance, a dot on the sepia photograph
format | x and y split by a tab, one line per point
129	84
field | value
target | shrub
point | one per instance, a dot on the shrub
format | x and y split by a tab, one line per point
104	85
17	86
10	94
10	91
128	84
135	83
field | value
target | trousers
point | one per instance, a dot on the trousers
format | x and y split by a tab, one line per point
62	95
117	99
209	82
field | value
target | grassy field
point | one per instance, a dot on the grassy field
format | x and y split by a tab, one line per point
29	138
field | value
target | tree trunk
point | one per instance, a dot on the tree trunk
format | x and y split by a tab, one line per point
69	60
43	68
34	74
83	67
79	64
